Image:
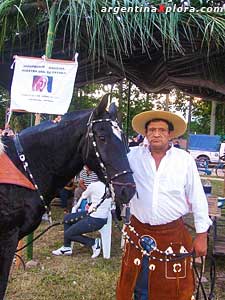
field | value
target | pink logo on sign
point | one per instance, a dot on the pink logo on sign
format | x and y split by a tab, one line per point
41	83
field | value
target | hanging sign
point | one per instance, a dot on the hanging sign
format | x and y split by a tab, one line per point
42	85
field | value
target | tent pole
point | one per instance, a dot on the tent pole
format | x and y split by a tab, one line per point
128	109
189	122
213	117
167	102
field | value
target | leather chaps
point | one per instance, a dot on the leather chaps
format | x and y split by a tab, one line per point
173	280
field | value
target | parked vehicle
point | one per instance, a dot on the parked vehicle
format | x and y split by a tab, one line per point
205	147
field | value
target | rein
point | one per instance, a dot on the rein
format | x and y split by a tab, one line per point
39	235
62	222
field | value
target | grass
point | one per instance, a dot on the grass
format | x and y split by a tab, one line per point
79	277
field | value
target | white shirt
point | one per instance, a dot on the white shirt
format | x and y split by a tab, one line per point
94	194
166	194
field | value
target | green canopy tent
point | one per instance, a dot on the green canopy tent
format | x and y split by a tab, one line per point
155	51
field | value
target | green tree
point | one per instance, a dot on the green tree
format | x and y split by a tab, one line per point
201	113
4	98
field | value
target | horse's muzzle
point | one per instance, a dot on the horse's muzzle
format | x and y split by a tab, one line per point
124	191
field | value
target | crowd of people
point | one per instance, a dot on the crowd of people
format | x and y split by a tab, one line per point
7	131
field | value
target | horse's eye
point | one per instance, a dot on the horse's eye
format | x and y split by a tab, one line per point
102	138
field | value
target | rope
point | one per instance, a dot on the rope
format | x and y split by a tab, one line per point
61	223
39	235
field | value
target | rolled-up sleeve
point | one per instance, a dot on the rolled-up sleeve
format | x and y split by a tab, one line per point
196	197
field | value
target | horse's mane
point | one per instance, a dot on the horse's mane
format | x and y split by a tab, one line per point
1	146
46	125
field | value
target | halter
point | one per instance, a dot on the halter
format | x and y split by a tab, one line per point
110	181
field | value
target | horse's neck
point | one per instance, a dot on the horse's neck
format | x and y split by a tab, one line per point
53	154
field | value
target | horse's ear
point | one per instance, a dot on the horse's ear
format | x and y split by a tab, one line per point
120	119
113	111
101	108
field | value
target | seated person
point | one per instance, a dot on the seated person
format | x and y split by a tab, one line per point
78	223
66	193
86	177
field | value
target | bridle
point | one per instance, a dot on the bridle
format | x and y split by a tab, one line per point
23	160
91	139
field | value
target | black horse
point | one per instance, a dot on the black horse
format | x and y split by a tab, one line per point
55	153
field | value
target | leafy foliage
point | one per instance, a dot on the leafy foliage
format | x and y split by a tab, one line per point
139	101
88	97
108	30
116	34
3	106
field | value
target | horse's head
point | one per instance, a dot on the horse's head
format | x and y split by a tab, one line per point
106	153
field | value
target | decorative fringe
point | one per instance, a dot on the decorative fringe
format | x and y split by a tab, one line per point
1	147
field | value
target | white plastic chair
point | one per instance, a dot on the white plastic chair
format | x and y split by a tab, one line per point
106	233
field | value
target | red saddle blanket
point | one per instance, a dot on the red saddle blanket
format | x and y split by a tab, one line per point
9	173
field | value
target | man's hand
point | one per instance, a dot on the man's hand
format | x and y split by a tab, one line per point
74	209
200	244
82	185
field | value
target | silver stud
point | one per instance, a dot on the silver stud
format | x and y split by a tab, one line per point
176	268
152	267
169	250
137	261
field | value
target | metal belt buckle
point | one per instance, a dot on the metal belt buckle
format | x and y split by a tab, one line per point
147	243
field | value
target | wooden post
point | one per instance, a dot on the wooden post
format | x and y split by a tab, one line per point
18	261
189	122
